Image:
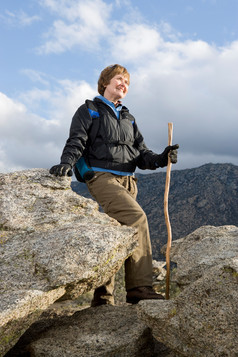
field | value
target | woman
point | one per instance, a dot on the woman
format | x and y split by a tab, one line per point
113	154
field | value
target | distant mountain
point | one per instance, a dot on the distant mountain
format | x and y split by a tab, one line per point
207	195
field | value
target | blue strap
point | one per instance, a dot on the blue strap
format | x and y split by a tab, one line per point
82	167
93	113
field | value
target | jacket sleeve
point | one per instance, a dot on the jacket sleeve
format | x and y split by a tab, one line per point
78	135
147	158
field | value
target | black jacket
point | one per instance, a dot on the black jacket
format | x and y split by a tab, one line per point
118	145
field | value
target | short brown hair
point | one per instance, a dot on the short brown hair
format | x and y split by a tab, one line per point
108	73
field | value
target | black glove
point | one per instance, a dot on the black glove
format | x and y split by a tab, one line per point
61	170
173	154
162	159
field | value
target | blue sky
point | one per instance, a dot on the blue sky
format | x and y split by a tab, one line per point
182	56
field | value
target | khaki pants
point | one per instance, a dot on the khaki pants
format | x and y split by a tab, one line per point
117	196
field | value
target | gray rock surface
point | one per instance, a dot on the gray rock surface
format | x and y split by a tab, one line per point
206	247
54	243
203	319
105	331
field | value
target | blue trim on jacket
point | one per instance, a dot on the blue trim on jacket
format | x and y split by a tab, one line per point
111	105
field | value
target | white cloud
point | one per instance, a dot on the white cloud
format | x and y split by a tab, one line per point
82	23
168	31
35	76
28	140
18	124
19	18
22	135
134	42
65	100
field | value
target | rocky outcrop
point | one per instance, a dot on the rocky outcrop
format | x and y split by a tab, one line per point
203	319
53	244
200	321
70	328
205	248
103	331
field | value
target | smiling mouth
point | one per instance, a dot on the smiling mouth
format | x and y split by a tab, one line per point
120	88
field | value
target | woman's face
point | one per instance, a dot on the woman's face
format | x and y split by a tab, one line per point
117	88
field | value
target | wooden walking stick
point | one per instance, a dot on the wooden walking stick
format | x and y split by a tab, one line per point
166	212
